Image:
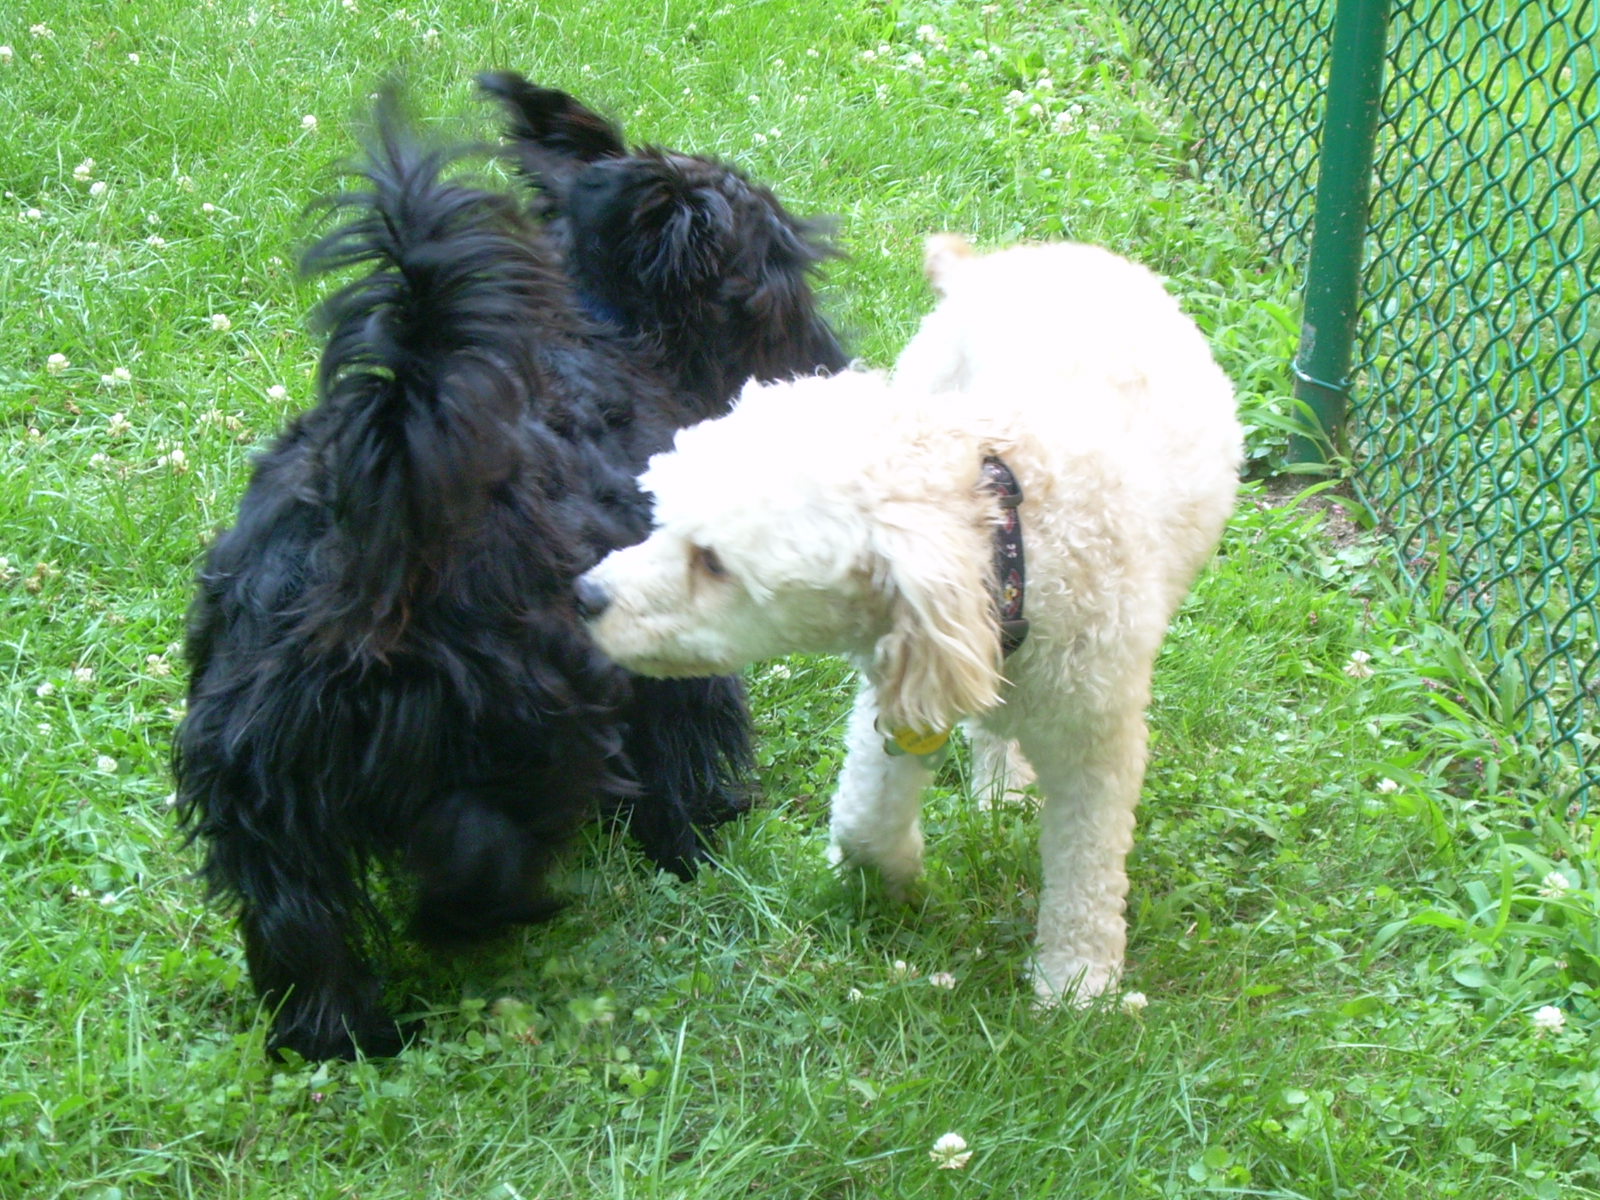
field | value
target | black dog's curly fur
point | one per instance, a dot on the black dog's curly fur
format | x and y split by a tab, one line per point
387	662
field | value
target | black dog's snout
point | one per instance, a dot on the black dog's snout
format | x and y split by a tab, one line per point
592	598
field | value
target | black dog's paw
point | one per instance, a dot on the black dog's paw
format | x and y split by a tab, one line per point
377	1036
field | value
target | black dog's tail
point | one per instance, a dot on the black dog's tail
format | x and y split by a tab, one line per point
428	367
545	122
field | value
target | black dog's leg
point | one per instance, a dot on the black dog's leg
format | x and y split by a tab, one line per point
480	870
689	741
300	939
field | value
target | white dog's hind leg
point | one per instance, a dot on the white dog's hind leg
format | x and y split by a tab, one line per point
1000	771
874	818
1090	778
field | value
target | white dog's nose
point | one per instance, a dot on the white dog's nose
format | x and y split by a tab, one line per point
592	598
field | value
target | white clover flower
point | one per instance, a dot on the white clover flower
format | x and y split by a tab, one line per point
1357	667
32	214
157	665
45	690
277	392
119	425
1134	1003
1553	885
41	30
105	764
176	459
1388	786
99	459
220	322
308	122
1549	1019
57	363
869	56
1014	98
118	376
98	188
916	61
1036	111
7	54
83	674
903	970
208	208
813	52
855	995
350	6
133	59
950	1152
84	171
430	38
942	979
156	242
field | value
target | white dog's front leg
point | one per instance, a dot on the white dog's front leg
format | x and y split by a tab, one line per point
874	820
1090	780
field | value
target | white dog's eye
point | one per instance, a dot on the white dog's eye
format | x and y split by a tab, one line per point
706	560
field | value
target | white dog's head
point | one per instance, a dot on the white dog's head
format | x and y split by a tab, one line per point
806	520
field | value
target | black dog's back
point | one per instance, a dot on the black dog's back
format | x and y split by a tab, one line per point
387	664
705	264
386	660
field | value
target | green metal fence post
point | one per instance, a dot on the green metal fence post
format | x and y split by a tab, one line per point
1339	227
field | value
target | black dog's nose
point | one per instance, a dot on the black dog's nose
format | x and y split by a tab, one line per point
592	598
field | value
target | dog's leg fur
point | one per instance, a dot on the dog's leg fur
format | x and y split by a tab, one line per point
999	768
480	869
874	817
302	944
1090	777
689	740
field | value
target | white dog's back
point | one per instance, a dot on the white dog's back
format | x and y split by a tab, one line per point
1092	362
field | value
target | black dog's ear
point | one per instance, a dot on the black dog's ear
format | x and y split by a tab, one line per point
552	136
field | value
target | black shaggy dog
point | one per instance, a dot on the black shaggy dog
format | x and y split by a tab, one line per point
388	666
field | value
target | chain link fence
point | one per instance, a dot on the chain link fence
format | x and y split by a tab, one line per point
1475	393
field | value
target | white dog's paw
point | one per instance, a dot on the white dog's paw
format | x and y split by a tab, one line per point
898	866
1071	980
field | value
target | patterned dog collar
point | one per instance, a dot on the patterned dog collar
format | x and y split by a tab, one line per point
1009	562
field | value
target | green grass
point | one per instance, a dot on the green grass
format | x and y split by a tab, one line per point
1342	910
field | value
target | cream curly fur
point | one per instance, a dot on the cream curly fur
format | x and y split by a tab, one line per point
845	515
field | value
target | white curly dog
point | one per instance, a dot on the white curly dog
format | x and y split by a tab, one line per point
852	515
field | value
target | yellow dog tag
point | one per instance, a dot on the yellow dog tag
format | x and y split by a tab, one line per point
920	743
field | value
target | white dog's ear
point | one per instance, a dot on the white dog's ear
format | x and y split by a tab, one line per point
940	659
